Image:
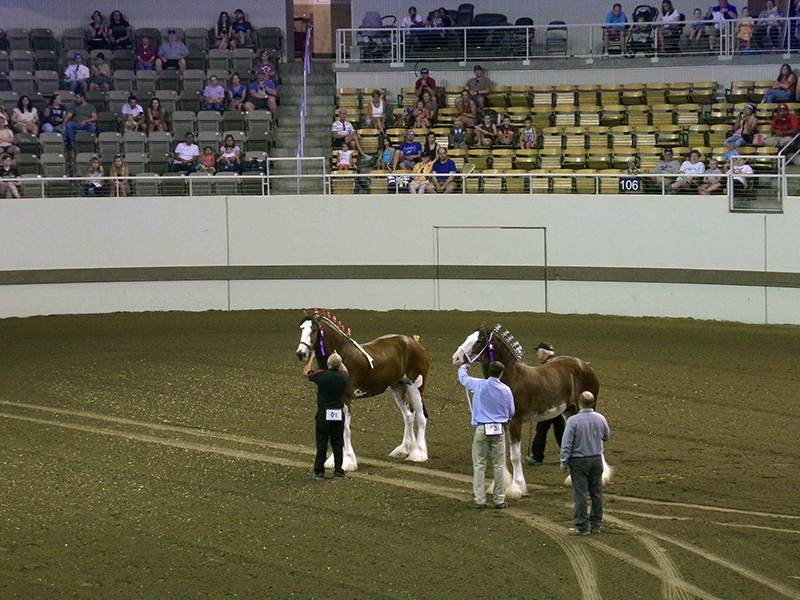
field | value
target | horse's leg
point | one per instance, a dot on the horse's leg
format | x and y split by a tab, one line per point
349	461
404	449
517	488
419	451
608	470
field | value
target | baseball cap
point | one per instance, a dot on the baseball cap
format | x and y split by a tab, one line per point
545	346
423	71
170	31
477	68
783	107
410	132
668	150
77	55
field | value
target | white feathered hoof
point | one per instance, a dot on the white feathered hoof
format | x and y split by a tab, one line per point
349	463
400	452
514	492
417	455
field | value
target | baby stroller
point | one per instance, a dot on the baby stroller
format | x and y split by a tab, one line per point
375	45
641	36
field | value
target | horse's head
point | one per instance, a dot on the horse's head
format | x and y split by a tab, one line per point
308	327
472	347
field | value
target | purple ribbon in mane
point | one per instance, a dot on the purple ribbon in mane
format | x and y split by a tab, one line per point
491	352
321	341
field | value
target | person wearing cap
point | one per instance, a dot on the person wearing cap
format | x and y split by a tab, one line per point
262	94
478	86
582	454
784	127
84	118
409	153
241	30
172	53
425	83
745	128
343	130
76	75
331	388
545	353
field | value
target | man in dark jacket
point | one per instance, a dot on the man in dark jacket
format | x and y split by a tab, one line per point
331	385
545	353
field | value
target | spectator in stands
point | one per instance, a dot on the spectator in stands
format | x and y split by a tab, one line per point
614	29
744	31
344	157
120	187
431	105
697	29
711	182
412	19
7	138
230	155
146	55
445	167
172	53
420	115
784	88
214	95
100	74
76	75
478	86
376	112
3	111
25	117
262	94
236	94
740	169
770	26
386	155
784	127
527	135
467	109
689	169
263	60
343	130
425	83
132	115
458	134
208	162
94	184
730	152
505	132
435	21
486	131
241	30
419	183
120	32
84	118
409	152
722	12
666	166
97	32
671	28
745	128
447	20
9	177
187	156
156	117
223	31
431	147
56	116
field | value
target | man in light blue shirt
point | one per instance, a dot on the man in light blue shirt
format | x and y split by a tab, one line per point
582	452
492	408
614	29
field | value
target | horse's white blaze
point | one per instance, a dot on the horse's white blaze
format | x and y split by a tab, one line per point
304	347
462	354
517	488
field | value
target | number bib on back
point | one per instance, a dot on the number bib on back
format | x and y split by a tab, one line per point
493	428
333	414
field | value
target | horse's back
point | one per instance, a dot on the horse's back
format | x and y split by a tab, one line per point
397	358
559	382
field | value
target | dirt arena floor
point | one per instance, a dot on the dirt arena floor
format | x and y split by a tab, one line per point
168	456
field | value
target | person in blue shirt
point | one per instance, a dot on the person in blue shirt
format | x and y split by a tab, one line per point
582	453
614	29
409	152
443	166
492	408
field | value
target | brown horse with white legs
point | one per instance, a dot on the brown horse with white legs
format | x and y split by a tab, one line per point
396	363
540	393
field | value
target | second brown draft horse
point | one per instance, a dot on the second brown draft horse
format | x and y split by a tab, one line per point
540	393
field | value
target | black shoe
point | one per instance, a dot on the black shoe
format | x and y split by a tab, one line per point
501	506
533	462
577	532
477	506
339	476
319	477
596	531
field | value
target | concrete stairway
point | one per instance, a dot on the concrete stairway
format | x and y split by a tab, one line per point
317	142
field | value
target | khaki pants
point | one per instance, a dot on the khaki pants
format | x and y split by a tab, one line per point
491	447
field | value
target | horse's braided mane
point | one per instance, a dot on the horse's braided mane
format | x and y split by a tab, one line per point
511	344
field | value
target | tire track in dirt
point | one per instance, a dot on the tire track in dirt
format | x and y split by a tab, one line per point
670	591
695	519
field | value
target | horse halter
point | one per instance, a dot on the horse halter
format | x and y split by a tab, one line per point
489	345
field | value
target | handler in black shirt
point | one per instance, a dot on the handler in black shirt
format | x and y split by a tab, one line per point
331	385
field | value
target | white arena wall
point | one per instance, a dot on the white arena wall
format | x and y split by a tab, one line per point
677	256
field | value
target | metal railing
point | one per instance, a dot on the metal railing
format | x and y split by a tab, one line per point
584	41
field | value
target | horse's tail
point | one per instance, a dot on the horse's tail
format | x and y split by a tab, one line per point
584	379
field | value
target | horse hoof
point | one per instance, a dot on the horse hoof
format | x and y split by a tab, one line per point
417	456
399	452
514	492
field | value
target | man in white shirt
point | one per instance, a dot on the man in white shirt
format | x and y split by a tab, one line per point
413	19
76	75
132	114
343	130
187	155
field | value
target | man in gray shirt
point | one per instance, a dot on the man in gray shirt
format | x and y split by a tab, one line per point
84	118
582	453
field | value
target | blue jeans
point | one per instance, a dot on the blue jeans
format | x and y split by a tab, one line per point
737	140
773	96
72	127
587	480
77	87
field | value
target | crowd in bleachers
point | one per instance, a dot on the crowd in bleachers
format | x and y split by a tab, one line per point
114	90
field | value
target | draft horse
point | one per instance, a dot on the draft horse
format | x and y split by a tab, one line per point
540	393
396	363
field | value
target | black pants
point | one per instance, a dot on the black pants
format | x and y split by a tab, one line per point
540	440
326	431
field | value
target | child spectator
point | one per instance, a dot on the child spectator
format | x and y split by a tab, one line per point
698	27
94	179
740	168
9	177
100	74
486	131
730	152
209	162
120	186
744	32
236	93
420	114
711	184
527	135
505	132
345	156
458	134
419	182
